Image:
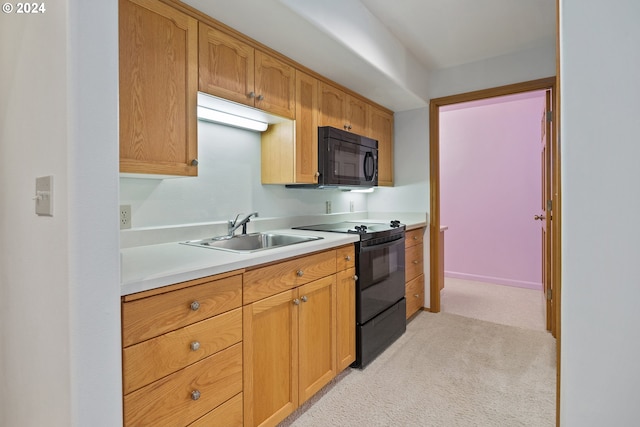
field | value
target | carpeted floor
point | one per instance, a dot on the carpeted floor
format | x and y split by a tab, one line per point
446	370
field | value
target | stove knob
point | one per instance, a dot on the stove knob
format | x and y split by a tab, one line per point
395	223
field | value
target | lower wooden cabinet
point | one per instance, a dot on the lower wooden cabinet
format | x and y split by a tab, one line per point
194	355
414	270
290	344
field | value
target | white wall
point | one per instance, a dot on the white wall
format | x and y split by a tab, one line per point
599	61
228	183
59	305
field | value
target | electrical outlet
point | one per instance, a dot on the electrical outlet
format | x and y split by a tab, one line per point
328	206
125	217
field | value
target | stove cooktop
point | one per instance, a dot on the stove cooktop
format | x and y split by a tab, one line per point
356	227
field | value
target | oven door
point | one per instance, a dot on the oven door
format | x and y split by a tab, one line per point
348	163
380	278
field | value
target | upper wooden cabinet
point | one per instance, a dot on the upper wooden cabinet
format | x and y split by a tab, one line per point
290	151
381	129
234	70
158	59
340	110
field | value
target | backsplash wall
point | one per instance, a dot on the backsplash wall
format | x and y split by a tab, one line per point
228	183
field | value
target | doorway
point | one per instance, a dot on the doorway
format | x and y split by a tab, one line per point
551	278
490	189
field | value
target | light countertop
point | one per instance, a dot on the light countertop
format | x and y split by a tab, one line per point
153	266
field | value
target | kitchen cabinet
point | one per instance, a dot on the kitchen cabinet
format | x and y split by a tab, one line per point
381	129
182	354
414	270
290	154
295	313
234	70
342	110
158	72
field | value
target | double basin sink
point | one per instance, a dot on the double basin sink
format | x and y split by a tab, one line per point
247	243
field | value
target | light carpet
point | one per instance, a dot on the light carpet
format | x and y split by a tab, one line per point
446	370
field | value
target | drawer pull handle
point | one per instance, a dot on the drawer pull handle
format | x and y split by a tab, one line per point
195	395
195	346
415	261
417	295
195	306
304	298
300	273
296	301
348	257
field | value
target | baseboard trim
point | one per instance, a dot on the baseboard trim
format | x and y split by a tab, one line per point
494	280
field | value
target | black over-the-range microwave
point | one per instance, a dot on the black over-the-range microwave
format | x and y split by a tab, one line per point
345	160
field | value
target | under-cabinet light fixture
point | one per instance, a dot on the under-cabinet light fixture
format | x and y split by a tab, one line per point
230	119
217	110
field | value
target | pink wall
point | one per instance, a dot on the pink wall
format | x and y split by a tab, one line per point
490	189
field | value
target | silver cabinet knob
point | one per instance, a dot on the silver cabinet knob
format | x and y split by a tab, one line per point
415	261
194	162
260	97
417	295
251	95
195	346
317	174
355	277
348	257
296	301
195	306
304	298
300	273
415	237
346	126
195	395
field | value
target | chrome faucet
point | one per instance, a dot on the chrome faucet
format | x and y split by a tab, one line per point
232	226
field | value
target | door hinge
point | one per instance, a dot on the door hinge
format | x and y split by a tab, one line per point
549	294
549	116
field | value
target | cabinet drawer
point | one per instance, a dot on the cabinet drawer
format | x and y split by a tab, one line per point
153	359
414	237
415	295
229	414
414	263
270	280
149	317
171	400
345	257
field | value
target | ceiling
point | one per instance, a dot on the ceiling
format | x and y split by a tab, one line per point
385	49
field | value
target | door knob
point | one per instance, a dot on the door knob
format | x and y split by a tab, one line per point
539	217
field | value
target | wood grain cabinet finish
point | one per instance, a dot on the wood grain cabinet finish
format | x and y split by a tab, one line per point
290	151
341	110
234	70
291	338
414	270
381	129
158	72
182	353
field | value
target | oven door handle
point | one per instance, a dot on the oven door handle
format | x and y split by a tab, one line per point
381	246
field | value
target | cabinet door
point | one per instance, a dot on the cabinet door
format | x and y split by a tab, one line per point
275	85
226	66
381	128
306	129
332	107
346	318
317	335
357	115
270	339
158	60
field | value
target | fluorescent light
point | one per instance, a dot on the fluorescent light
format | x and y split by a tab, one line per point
363	190
217	116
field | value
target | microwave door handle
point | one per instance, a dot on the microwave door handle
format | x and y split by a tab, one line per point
369	176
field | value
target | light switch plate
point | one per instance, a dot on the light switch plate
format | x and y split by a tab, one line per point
44	195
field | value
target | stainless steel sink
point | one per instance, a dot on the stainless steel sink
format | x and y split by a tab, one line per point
245	243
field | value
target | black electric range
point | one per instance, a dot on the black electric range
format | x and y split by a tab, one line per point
380	284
